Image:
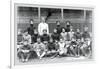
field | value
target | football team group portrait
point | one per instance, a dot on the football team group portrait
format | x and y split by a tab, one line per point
53	34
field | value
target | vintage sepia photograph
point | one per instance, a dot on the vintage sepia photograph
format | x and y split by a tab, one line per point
52	34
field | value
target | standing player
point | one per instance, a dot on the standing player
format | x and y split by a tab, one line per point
59	29
31	29
35	36
67	26
43	25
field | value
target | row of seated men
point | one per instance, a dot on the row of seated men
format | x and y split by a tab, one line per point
62	42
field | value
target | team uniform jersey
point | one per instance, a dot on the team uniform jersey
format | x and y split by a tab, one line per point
45	37
59	29
43	26
83	45
31	30
51	46
71	35
67	28
27	38
19	38
73	43
34	38
64	35
55	36
39	47
78	35
86	35
25	49
62	47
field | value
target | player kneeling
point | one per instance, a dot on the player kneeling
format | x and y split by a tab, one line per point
24	51
39	48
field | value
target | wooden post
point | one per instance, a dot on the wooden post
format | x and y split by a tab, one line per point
39	13
84	15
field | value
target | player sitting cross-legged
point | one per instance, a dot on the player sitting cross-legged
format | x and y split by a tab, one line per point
52	48
62	47
39	48
24	51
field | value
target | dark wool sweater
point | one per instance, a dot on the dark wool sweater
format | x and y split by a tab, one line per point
78	35
59	29
55	36
34	38
86	35
31	30
67	28
45	37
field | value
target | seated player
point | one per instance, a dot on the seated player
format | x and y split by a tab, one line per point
83	47
35	36
39	48
19	36
64	34
88	49
24	51
69	36
52	47
55	36
73	46
62	47
87	37
71	33
45	37
27	37
78	35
